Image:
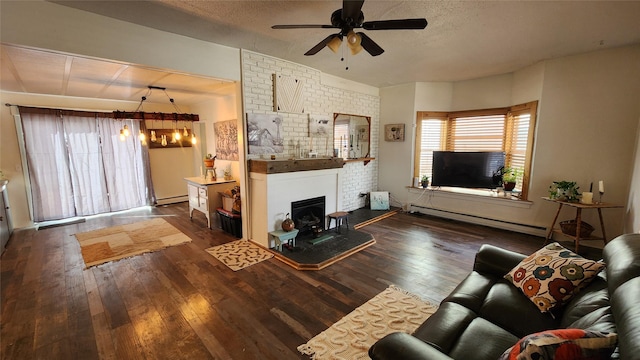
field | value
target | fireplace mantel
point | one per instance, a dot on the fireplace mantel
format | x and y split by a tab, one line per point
263	166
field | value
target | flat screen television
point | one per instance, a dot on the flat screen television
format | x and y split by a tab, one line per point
478	169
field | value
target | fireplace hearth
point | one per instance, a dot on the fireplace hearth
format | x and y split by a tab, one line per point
308	214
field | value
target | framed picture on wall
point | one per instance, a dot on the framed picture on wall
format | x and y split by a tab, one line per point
394	132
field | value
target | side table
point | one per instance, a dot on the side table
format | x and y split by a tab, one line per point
579	207
281	236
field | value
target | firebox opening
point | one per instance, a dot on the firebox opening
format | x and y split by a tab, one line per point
307	213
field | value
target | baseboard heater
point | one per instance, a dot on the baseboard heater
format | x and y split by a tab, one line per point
479	220
172	200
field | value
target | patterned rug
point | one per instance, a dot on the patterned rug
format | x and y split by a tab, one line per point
351	337
118	242
239	254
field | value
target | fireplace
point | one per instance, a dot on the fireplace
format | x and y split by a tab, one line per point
308	213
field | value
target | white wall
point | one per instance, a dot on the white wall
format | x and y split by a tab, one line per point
586	131
484	93
324	95
216	110
60	28
588	126
51	26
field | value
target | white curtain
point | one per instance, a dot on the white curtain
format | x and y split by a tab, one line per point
79	166
48	165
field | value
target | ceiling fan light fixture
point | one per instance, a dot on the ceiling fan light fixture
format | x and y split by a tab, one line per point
353	41
335	43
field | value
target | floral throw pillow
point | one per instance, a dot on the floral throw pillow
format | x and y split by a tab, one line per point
563	344
552	275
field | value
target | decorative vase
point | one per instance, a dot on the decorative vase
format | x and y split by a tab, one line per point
287	224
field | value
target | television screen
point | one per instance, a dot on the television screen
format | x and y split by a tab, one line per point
467	169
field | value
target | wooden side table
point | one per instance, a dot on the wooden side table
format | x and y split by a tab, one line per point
281	236
339	217
579	207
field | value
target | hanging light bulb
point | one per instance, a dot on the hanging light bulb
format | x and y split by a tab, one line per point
176	133
185	132
125	130
164	140
173	138
153	136
353	41
142	136
121	135
193	139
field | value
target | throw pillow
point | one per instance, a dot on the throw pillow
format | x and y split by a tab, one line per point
552	275
563	344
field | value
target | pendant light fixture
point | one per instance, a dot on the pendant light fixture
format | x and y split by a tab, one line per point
177	134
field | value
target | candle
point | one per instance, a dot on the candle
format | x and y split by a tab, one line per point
601	186
591	187
201	173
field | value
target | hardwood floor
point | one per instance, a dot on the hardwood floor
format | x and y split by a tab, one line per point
181	303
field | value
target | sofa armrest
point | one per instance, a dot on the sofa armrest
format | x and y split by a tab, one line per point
401	345
492	260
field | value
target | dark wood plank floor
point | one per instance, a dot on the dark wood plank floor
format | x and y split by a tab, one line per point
181	303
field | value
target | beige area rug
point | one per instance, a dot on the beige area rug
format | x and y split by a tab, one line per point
118	242
239	254
351	337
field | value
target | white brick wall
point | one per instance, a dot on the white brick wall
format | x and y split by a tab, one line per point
257	73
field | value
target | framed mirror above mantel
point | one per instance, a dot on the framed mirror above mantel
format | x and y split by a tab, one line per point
352	137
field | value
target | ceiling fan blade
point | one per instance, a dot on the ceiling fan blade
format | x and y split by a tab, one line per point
370	45
402	24
303	27
314	50
351	9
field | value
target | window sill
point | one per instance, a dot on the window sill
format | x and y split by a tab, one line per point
478	195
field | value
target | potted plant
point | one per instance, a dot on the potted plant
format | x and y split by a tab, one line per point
424	181
510	178
564	191
209	160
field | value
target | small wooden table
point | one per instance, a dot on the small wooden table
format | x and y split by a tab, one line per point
281	236
339	217
579	206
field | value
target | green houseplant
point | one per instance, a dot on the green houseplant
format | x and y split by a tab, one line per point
510	178
564	191
424	181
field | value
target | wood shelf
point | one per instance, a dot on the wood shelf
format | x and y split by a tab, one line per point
264	166
366	160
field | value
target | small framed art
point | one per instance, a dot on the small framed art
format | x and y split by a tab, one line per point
394	132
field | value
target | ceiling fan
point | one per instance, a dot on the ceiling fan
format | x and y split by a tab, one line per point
347	19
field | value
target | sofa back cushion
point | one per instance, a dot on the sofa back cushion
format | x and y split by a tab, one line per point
622	255
590	309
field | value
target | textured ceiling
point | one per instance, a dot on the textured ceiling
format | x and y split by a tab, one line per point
464	40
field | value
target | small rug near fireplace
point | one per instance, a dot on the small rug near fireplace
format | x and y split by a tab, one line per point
239	254
118	242
350	338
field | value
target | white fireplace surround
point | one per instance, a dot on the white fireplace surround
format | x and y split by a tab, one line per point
272	194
